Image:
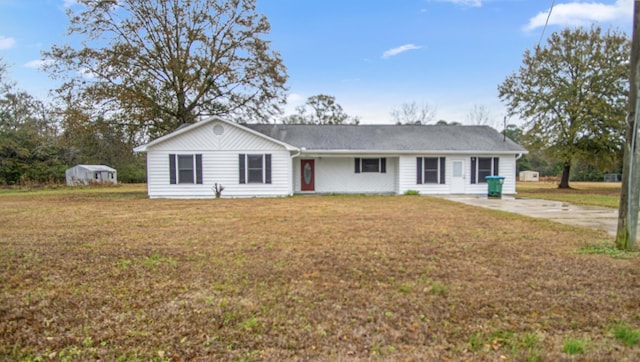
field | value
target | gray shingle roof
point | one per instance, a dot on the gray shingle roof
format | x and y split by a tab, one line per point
390	137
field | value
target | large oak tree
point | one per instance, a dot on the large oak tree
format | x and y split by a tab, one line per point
156	64
572	94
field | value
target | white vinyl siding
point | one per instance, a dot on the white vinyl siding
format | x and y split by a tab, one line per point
219	165
336	175
407	175
506	168
408	172
204	138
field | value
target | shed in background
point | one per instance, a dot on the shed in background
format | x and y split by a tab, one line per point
88	174
529	176
612	177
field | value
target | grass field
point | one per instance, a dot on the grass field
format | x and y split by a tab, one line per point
107	274
605	194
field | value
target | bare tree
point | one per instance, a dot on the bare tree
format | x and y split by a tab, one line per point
479	116
413	113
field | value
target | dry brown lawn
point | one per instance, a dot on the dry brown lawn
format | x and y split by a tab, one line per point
605	194
112	275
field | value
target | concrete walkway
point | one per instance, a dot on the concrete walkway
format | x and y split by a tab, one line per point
596	217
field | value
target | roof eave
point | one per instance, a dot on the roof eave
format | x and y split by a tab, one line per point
409	152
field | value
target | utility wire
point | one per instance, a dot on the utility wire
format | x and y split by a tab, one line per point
553	2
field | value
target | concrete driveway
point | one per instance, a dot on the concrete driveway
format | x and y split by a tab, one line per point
596	217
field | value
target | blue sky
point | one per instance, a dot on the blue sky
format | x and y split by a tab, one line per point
372	55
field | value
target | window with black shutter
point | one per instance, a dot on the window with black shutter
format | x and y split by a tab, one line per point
430	170
481	167
255	168
185	169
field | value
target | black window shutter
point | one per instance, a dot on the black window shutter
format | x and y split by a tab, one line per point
357	164
241	168
473	170
199	169
267	168
419	170
383	165
496	166
172	169
442	163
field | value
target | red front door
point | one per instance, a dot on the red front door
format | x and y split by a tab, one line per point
307	182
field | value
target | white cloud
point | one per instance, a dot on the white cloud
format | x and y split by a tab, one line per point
295	98
583	13
69	3
39	63
6	43
401	49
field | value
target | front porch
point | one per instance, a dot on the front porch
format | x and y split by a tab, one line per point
345	175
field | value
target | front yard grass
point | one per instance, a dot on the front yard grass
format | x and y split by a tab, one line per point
605	194
89	276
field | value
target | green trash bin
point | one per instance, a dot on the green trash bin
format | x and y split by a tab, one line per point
495	186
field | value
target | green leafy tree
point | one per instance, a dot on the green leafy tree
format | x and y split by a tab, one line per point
442	122
320	109
572	94
29	151
514	133
156	64
91	139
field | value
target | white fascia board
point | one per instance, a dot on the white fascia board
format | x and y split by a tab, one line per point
406	152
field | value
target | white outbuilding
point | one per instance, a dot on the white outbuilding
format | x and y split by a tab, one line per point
529	176
88	174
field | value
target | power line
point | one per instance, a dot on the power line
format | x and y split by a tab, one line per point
553	2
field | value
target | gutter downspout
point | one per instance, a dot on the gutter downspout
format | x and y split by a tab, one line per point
518	156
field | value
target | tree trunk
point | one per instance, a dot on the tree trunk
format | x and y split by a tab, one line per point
623	237
564	182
